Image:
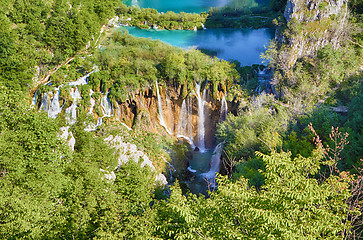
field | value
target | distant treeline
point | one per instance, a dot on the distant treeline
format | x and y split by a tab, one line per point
151	18
237	14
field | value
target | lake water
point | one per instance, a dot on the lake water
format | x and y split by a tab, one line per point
191	6
244	45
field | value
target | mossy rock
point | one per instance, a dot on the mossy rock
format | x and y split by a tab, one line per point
142	120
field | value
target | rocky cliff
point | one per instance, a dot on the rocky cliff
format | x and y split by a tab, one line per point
159	109
313	24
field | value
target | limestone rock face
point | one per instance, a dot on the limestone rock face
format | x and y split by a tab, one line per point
143	113
129	152
317	23
311	10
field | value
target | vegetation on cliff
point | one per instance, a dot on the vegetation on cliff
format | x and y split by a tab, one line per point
137	63
282	180
236	14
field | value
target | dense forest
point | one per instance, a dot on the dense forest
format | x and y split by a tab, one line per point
292	160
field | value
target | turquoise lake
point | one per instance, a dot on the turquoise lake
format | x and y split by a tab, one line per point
191	6
243	45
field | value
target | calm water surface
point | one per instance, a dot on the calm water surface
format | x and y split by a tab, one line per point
244	45
191	6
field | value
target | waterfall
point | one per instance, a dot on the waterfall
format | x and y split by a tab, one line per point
224	109
45	102
171	168
191	170
107	112
214	165
92	101
54	106
161	118
184	128
106	106
34	101
83	80
134	2
201	130
183	119
169	111
188	139
71	112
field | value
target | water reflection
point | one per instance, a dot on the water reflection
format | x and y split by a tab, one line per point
244	45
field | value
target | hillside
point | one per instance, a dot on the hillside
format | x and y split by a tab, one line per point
103	135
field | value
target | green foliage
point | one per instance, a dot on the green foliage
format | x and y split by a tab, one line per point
48	192
292	205
32	160
354	125
251	170
129	64
254	128
147	18
43	33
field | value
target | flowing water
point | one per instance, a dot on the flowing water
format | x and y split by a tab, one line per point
224	109
201	118
160	109
54	106
71	112
205	164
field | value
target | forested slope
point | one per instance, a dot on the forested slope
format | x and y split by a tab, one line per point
284	178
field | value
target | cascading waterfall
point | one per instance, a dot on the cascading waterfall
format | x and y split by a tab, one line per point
201	130
171	169
190	141
106	106
107	112
183	120
71	112
169	110
160	109
34	101
84	80
214	165
92	101
45	102
224	109
54	106
184	128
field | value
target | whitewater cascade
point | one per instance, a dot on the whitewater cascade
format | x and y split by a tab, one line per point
71	112
44	104
171	168
184	128
160	109
190	141
106	106
201	129
214	165
54	106
224	109
169	111
92	101
34	101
